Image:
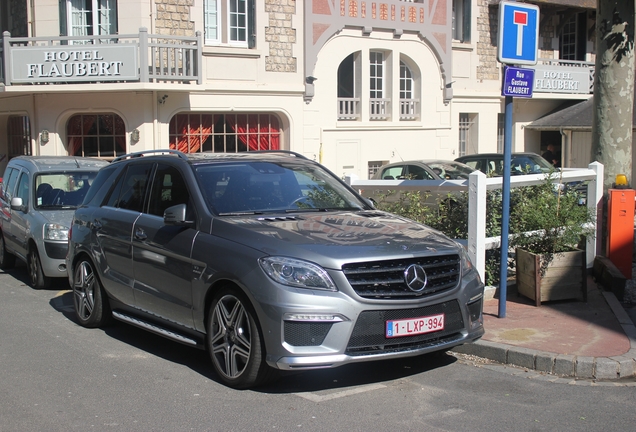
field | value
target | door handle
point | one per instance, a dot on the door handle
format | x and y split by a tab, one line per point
140	234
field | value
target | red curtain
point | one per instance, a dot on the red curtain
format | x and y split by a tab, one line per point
78	125
190	131
258	132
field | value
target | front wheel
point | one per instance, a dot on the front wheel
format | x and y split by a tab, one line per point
235	343
36	274
90	301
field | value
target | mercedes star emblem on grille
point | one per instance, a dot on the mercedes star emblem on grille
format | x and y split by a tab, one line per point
415	277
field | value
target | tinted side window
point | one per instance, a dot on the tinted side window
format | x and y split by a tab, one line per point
23	189
168	189
130	191
393	173
103	177
419	173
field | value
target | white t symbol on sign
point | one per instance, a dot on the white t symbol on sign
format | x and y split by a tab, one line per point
520	19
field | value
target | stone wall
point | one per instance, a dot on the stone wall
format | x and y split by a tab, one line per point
280	36
173	17
487	24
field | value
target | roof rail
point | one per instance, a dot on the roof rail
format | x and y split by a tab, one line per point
151	153
288	152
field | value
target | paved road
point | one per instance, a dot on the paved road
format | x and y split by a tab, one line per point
56	375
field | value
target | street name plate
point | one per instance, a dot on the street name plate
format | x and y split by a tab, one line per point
518	82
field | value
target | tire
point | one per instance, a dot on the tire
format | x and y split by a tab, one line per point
34	267
89	299
7	259
235	343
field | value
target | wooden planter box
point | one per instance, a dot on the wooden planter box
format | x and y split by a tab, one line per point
564	279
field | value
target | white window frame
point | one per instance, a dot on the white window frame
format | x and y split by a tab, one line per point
100	24
221	18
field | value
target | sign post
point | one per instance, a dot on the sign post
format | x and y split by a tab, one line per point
518	44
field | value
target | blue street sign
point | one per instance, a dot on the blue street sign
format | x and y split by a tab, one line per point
517	82
518	33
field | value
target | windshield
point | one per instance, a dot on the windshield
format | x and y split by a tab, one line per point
450	170
259	187
62	190
529	164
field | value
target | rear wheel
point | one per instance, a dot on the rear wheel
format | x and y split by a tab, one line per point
36	275
7	259
90	300
235	342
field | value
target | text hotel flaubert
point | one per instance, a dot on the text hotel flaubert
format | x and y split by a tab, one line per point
73	63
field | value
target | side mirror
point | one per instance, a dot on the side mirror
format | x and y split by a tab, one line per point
371	202
16	204
176	215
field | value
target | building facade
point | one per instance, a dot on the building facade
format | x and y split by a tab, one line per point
352	83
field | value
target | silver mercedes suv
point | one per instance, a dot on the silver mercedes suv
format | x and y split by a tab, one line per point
268	261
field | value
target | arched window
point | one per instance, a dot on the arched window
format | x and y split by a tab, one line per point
408	101
97	135
224	133
348	85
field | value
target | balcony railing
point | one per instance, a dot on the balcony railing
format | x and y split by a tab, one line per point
348	108
379	108
139	57
409	109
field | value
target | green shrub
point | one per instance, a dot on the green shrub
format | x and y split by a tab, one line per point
555	219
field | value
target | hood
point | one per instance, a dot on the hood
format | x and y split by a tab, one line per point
62	217
335	238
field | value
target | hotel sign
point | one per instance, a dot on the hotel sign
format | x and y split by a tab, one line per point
72	63
561	79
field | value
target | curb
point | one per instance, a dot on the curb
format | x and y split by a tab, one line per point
602	368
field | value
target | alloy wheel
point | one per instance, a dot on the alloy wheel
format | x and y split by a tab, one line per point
231	340
84	290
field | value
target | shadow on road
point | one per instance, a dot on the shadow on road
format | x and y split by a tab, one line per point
350	375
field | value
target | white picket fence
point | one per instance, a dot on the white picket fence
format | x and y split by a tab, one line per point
477	185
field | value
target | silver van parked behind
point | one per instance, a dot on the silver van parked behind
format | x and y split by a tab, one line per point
39	195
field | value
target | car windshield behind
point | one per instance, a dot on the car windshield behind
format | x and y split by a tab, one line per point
451	171
529	164
259	187
62	190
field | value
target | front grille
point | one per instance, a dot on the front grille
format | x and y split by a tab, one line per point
306	333
56	250
385	279
368	335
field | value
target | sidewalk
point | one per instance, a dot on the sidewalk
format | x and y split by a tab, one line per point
588	340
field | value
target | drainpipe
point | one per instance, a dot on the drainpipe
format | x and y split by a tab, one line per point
565	150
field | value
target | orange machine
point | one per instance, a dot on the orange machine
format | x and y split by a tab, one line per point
620	229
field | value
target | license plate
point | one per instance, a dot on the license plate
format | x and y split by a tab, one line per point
414	326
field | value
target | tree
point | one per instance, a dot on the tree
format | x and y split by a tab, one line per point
613	94
614	88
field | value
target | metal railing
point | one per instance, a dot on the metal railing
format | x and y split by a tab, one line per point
160	58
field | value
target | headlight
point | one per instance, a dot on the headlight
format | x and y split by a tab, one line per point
297	273
55	232
466	263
